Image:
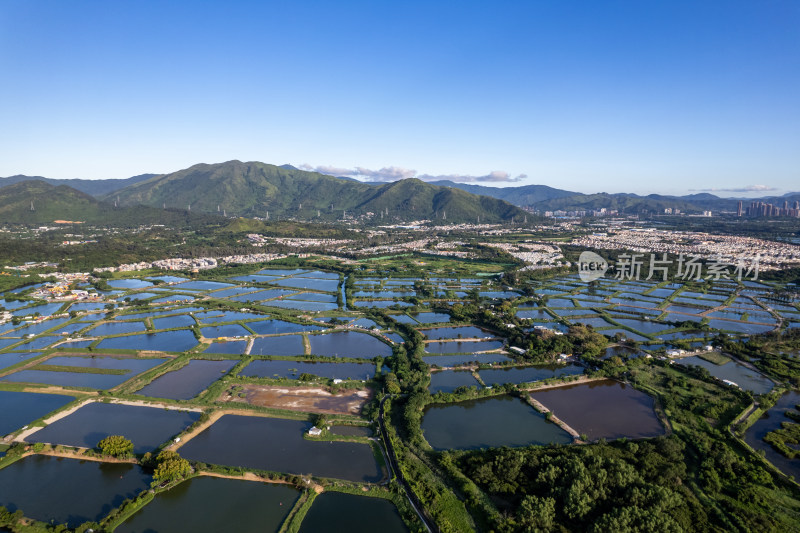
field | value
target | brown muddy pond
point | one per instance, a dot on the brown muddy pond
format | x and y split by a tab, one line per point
603	409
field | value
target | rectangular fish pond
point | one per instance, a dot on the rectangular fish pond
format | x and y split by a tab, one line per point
278	445
488	423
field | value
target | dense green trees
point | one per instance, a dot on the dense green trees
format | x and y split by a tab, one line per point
116	446
621	487
170	467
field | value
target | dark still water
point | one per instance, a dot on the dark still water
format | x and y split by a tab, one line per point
348	344
450	380
21	408
770	421
68	490
208	504
68	379
443	347
488	423
455	360
337	512
189	381
603	409
528	374
165	341
146	427
277	444
738	373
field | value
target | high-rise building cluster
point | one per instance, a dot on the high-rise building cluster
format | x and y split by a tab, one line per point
763	209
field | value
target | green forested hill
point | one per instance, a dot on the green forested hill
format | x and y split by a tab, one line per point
254	189
522	195
93	187
51	203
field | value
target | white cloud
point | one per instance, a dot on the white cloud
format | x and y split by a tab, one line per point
497	176
399	173
748	188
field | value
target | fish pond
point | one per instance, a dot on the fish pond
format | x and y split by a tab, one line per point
338	512
743	376
68	491
11	359
146	427
450	380
278	327
455	360
166	341
460	332
115	328
278	445
233	347
21	408
462	346
175	321
301	305
208	504
202	285
188	381
488	423
325	285
351	344
226	330
285	345
122	370
770	421
603	409
431	317
129	283
528	374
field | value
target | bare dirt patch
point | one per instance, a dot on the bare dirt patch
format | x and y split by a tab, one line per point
308	399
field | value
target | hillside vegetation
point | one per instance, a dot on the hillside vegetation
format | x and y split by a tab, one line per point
259	190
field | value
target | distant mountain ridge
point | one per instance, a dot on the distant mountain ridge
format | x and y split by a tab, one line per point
39	202
355	198
92	187
543	198
254	189
523	195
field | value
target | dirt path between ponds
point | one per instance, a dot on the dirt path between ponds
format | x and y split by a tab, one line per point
250	476
80	456
59	390
553	418
544	386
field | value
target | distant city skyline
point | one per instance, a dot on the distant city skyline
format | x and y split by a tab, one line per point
675	98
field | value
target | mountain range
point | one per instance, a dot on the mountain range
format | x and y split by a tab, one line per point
253	189
34	202
92	187
543	198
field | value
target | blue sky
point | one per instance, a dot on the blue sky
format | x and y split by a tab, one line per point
665	97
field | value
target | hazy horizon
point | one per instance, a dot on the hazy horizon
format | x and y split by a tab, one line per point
721	194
